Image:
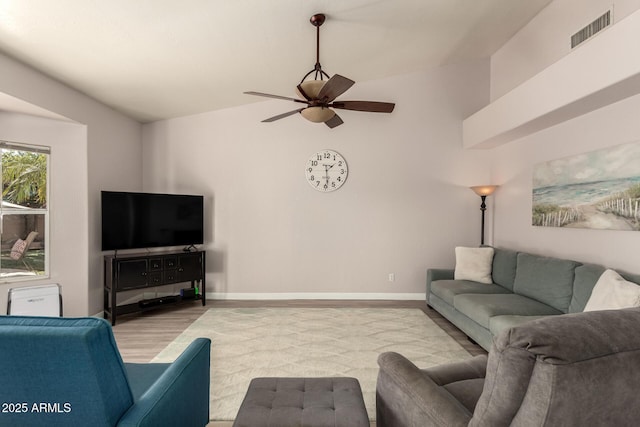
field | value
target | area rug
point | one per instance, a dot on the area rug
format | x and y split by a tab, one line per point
309	342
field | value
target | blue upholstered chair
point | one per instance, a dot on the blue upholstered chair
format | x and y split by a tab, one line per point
68	372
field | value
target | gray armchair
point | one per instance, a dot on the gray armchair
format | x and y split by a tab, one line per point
569	370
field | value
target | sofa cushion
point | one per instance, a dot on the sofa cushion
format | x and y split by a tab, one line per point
482	307
586	276
612	292
466	392
448	289
548	280
498	324
504	267
474	264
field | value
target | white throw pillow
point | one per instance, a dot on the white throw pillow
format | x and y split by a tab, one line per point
613	292
474	264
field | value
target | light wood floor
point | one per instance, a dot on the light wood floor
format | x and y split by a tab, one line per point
140	337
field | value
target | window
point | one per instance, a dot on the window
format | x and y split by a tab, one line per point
24	211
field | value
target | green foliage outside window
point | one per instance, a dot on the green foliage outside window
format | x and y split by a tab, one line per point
24	177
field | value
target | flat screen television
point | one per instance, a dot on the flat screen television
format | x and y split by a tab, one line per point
149	220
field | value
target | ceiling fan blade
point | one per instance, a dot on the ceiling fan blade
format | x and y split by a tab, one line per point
282	116
335	86
370	106
268	95
334	121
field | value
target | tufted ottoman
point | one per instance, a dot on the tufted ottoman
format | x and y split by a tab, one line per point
303	402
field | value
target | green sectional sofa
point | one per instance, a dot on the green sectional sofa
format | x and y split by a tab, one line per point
525	287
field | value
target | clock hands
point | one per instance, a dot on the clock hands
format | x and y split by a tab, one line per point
326	172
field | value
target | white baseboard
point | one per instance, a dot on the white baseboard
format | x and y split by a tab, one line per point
315	295
309	296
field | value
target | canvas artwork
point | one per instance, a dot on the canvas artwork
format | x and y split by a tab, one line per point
598	190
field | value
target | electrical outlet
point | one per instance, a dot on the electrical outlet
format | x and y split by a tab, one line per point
392	277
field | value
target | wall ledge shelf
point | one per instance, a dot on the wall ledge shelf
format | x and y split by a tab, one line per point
604	70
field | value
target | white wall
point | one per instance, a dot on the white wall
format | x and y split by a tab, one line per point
403	208
112	159
547	38
513	163
513	167
68	215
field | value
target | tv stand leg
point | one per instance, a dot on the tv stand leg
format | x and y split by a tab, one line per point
203	291
203	287
113	307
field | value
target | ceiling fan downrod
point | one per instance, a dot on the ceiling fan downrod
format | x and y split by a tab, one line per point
317	20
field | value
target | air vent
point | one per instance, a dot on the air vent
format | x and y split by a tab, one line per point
591	30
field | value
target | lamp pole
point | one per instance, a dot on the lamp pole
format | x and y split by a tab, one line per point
483	191
483	207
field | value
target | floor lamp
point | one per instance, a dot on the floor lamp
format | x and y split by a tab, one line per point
483	191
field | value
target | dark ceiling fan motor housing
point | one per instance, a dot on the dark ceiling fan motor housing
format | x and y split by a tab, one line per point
319	96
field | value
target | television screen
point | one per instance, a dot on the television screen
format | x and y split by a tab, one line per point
146	220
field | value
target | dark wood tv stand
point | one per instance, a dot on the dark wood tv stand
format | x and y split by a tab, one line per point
147	270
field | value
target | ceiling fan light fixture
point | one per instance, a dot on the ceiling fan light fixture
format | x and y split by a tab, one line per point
317	114
311	88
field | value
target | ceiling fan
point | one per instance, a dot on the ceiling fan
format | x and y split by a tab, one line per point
320	95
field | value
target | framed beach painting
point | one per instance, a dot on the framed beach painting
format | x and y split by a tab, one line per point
597	190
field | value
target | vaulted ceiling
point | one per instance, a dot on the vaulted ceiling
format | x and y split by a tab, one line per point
157	59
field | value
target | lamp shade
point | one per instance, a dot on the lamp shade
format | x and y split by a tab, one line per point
317	114
484	190
311	88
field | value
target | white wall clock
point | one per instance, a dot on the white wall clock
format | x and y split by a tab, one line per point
326	171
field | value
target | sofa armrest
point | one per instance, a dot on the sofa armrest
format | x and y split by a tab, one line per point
405	395
180	396
434	274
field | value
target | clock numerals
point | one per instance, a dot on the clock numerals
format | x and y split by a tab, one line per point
326	155
326	170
